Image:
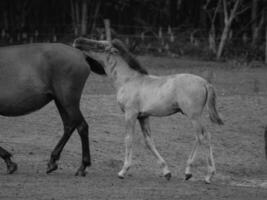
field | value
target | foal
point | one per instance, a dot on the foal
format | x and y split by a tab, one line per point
141	95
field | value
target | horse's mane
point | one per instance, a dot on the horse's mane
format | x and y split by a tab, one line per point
128	56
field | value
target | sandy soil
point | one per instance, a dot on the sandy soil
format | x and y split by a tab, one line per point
238	145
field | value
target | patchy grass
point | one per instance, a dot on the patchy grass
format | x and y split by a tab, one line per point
238	145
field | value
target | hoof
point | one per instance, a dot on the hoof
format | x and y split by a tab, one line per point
188	176
120	176
207	180
81	173
11	168
51	167
168	176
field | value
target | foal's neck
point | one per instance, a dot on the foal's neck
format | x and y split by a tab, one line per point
121	73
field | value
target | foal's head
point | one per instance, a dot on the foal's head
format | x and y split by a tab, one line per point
102	51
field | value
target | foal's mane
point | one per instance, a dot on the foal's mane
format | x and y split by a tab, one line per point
128	56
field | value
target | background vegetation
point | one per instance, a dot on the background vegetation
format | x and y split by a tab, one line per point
209	29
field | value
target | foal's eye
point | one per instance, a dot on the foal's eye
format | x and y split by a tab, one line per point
111	50
114	50
108	48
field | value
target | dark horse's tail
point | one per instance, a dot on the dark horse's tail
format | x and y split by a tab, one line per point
265	139
211	105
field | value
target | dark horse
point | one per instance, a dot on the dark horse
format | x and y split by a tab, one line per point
35	74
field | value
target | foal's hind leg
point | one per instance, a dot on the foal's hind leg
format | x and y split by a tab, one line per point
210	159
200	135
145	127
11	166
192	156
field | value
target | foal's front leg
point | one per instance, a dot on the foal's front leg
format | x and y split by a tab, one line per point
145	127
130	119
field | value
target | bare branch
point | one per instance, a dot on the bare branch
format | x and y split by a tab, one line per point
216	10
209	15
225	11
241	11
262	19
207	3
233	12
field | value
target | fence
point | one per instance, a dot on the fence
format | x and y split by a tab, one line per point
178	41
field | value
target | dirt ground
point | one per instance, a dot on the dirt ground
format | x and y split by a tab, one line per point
238	145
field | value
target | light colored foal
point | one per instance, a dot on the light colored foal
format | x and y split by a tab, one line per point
141	95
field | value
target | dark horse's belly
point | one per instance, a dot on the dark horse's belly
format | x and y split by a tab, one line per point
32	75
22	92
24	105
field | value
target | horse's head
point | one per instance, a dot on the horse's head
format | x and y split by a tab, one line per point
98	50
89	45
102	52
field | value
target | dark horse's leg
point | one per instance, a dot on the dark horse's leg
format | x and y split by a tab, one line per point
86	158
11	166
72	119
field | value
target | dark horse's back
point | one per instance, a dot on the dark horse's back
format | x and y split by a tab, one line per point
34	74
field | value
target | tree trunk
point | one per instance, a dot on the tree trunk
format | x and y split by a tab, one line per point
256	30
173	12
73	17
107	29
84	18
265	44
223	40
5	16
212	18
77	17
98	4
212	39
254	8
228	19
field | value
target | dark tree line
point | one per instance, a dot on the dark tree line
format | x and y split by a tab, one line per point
215	21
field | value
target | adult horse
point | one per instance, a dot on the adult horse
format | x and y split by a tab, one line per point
33	75
141	95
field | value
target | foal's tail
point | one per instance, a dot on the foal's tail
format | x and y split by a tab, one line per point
211	105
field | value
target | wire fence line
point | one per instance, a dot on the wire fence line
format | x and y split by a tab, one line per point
60	31
168	40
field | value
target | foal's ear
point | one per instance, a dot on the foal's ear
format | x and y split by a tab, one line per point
118	44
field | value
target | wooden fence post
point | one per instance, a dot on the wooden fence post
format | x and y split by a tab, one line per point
107	29
84	18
